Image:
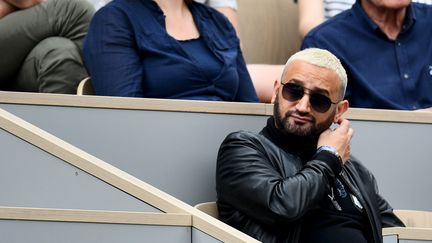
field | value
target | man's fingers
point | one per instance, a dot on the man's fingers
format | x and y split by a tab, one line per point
327	131
350	132
344	125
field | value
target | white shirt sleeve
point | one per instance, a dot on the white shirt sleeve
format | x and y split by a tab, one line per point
99	3
220	3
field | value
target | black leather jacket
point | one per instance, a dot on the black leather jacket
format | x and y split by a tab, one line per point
266	182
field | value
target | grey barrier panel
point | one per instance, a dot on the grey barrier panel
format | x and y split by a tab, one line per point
200	237
400	156
390	239
18	231
173	151
176	151
31	177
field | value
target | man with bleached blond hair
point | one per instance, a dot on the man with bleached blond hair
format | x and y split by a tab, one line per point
295	181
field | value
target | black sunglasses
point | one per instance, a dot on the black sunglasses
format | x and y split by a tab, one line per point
319	102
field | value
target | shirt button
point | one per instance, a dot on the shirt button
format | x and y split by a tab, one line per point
414	107
399	44
406	76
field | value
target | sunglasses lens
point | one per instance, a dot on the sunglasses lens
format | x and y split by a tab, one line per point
292	92
320	103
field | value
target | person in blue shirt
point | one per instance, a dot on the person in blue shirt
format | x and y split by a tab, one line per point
386	49
311	13
174	49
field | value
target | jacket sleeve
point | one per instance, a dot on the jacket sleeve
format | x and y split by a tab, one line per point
246	90
111	55
251	181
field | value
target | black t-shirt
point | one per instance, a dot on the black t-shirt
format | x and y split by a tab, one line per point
342	219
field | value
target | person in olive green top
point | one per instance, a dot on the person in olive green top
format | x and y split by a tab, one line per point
41	43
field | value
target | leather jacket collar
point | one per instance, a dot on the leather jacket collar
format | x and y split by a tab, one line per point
303	146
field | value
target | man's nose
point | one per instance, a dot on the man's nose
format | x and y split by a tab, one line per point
303	105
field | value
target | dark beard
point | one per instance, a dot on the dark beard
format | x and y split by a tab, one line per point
282	123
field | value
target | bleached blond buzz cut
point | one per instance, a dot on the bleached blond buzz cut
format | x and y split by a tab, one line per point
321	58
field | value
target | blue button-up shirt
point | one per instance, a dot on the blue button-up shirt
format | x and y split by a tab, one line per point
128	52
382	73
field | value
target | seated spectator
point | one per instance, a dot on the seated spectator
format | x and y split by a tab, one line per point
314	12
175	49
386	49
295	181
40	44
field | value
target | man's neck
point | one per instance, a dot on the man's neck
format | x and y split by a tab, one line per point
289	140
390	21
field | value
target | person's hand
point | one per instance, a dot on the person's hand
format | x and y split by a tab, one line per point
339	138
425	109
23	4
5	8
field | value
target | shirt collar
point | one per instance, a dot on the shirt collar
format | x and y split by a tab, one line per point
410	18
358	11
201	17
156	11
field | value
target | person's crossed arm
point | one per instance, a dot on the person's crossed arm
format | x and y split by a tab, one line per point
9	6
311	14
425	109
22	4
5	8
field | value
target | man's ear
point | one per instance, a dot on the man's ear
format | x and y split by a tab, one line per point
276	86
341	108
